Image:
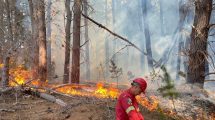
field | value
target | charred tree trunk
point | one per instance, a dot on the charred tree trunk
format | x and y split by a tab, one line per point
85	2
75	76
42	41
147	35
35	52
49	59
5	73
67	44
198	45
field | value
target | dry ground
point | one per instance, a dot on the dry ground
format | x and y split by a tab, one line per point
28	107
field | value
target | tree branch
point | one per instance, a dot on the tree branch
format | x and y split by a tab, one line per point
211	25
209	73
114	34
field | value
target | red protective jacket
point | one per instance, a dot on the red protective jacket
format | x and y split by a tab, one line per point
127	107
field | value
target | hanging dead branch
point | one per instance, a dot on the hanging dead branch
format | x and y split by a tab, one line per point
116	35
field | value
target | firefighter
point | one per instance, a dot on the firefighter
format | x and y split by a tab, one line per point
127	106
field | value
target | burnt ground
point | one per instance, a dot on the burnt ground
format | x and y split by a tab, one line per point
19	106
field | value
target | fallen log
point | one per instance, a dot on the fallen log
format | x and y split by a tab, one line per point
6	90
46	96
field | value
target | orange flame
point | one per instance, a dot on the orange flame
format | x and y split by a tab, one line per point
19	75
151	104
100	91
111	92
1	65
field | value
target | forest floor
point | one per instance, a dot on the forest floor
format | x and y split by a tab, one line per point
28	107
15	105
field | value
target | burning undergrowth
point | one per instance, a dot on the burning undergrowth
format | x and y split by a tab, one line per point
186	105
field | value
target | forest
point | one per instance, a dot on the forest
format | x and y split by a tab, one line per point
71	59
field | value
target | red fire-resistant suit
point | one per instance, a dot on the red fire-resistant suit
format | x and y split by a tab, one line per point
127	107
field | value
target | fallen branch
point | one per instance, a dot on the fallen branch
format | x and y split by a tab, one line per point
209	80
29	81
7	110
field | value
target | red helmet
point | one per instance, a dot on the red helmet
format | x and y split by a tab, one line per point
141	82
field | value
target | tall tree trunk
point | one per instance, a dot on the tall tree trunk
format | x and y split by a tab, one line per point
162	18
5	73
9	24
182	15
42	41
142	42
5	70
147	35
198	45
107	47
186	47
207	70
67	44
114	27
49	60
35	52
75	76
1	31
178	67
87	40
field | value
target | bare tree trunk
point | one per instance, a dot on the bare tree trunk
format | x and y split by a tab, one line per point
207	70
198	45
35	52
182	15
162	18
42	41
5	73
49	59
87	40
1	31
186	47
5	70
147	35
75	76
67	44
9	24
178	67
142	46
114	27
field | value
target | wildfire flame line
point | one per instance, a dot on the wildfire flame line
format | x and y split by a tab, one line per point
20	75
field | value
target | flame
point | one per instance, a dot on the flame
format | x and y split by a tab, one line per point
19	75
151	104
100	91
111	92
1	66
